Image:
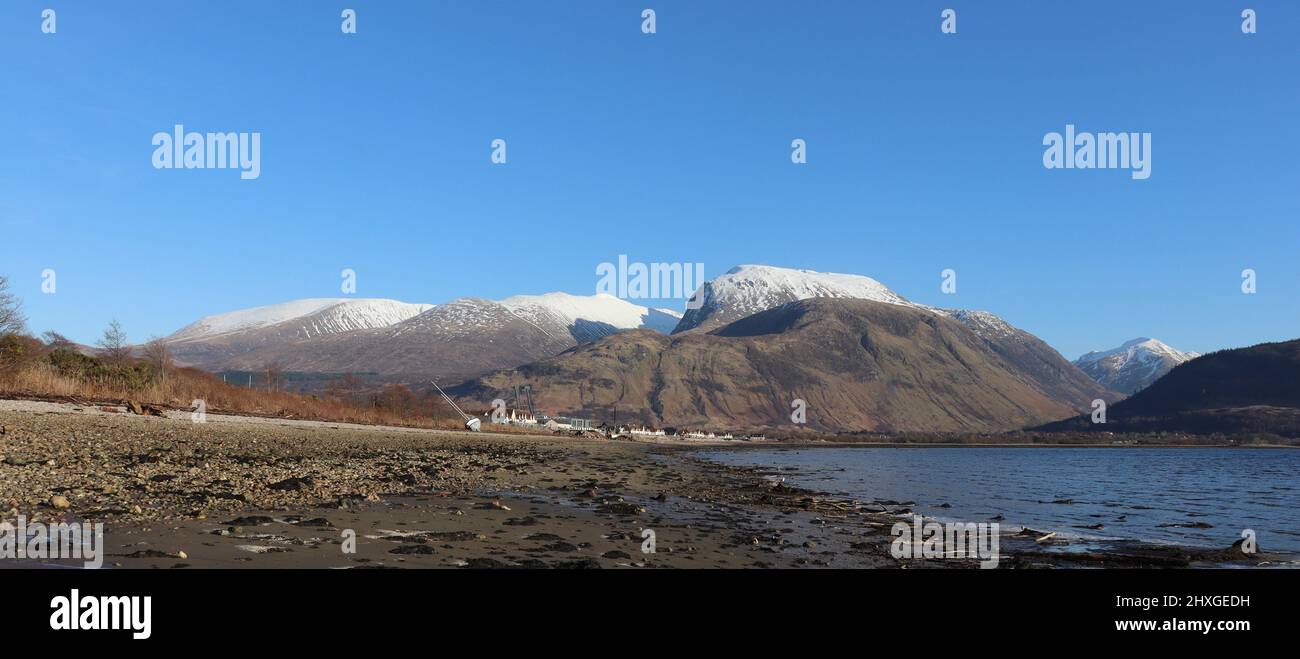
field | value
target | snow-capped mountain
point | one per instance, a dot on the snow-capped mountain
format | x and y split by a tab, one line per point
310	317
1132	366
397	341
748	289
459	338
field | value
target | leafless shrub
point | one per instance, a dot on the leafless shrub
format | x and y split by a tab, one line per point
158	356
113	345
55	341
12	320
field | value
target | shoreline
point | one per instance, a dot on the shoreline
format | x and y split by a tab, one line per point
67	405
795	444
230	493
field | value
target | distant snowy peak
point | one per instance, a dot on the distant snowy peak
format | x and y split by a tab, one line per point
1140	349
1134	365
314	317
748	289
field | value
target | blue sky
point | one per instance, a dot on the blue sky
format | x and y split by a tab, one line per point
924	153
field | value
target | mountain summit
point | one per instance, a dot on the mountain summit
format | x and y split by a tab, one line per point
1132	366
748	289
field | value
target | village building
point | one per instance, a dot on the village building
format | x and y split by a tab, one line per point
522	418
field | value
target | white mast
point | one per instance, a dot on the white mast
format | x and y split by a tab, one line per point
472	423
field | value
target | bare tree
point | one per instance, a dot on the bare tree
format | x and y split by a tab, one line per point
113	344
274	376
12	320
158	356
55	341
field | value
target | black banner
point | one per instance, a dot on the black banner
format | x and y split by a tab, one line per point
356	606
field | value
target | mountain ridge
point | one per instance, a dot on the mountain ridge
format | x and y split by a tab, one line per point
748	289
353	313
456	339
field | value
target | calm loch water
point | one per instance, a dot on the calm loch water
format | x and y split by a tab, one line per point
1145	494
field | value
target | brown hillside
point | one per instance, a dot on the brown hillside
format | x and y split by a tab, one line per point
859	365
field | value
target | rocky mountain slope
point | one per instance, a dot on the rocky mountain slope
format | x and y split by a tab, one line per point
748	289
858	364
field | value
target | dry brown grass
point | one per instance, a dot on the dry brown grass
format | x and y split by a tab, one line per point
182	386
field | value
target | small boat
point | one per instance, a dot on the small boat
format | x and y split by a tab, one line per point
472	423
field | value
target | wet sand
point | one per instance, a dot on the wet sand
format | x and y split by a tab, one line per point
263	494
229	493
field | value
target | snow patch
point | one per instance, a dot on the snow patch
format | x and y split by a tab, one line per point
750	289
326	315
599	308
